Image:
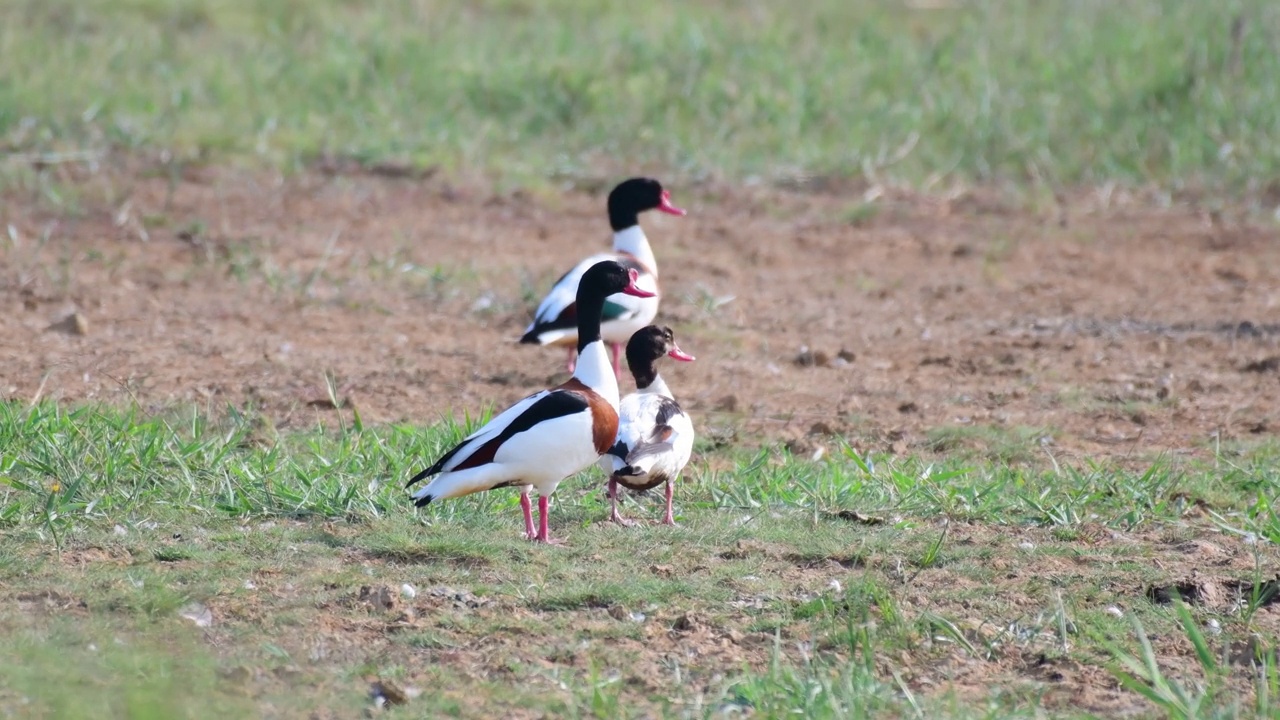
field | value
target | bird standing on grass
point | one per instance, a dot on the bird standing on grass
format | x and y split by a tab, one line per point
655	436
551	434
555	322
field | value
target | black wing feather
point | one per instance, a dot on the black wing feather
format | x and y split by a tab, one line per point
667	409
554	405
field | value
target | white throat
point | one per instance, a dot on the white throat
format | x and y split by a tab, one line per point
658	387
632	241
596	372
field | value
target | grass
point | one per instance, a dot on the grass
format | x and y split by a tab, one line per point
60	668
991	90
849	587
1004	444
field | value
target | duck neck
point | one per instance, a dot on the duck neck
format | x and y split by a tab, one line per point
594	368
632	241
647	378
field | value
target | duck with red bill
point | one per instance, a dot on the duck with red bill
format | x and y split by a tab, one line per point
655	435
555	322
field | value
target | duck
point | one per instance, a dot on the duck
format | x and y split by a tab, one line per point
655	436
554	322
551	434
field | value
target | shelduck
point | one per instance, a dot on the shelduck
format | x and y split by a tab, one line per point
555	321
655	436
551	434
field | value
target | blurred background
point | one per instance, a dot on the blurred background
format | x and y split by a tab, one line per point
1062	93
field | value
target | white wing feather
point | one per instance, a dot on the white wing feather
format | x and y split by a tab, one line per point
565	292
541	456
491	429
637	312
637	418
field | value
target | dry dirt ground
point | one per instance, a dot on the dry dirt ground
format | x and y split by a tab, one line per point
1105	324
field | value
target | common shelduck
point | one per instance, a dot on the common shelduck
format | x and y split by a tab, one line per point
555	321
655	436
551	434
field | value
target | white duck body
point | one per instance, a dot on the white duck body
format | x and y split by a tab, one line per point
554	447
623	314
655	439
655	436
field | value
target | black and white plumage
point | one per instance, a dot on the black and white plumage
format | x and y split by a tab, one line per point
551	434
655	436
555	321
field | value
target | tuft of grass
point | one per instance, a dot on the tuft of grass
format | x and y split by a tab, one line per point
854	688
172	554
416	550
1043	93
999	443
861	213
1143	675
62	464
637	592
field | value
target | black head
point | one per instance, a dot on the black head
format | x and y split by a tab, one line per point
634	196
606	278
646	347
599	282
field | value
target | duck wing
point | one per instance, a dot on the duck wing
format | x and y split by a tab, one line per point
649	426
557	314
558	310
480	447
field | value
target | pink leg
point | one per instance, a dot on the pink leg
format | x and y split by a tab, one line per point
527	507
617	359
613	505
572	363
669	519
543	536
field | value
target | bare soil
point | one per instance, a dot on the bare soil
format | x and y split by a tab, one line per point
1105	324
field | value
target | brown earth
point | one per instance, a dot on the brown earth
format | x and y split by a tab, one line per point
1107	324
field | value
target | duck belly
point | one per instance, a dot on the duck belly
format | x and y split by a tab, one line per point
541	456
550	452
